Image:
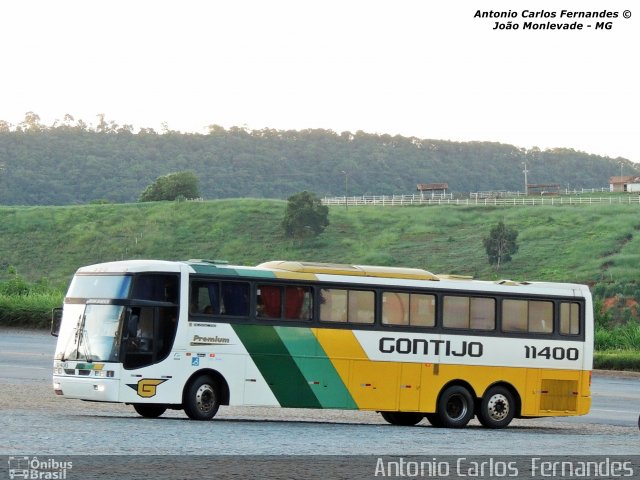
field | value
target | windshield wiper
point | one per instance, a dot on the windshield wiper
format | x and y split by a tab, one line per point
84	340
75	340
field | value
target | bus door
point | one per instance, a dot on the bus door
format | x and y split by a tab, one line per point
148	334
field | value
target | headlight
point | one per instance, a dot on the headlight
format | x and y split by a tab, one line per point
57	389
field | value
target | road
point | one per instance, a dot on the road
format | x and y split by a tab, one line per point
36	422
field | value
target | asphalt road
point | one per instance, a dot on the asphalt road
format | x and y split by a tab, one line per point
36	422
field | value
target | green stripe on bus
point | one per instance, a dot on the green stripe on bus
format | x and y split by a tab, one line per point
316	367
277	367
244	272
214	270
231	272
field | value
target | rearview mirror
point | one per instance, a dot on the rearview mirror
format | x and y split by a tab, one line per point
56	320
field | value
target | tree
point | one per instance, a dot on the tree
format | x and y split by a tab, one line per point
31	123
501	244
305	216
171	187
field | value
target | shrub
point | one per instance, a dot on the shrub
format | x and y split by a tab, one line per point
27	304
617	360
305	216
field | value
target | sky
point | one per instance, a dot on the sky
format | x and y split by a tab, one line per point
421	68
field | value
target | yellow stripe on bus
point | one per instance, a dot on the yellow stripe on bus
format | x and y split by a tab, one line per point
406	386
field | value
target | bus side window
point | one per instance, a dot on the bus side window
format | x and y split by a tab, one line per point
205	298
353	306
415	309
333	305
569	318
527	316
514	315
395	308
361	306
540	317
156	287
482	314
423	310
455	312
269	301
235	298
298	303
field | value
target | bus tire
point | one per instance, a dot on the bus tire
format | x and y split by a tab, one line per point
455	407
497	408
406	419
201	398
149	410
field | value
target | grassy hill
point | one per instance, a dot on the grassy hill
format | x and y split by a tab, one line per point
41	247
586	244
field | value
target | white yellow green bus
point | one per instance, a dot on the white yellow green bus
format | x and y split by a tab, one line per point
404	342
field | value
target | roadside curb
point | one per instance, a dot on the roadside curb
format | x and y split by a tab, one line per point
616	373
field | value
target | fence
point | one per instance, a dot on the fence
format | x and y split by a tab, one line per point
509	194
402	200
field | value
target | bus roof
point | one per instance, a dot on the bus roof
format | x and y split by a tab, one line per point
350	270
132	266
342	273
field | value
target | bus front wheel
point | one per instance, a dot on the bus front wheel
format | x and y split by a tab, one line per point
201	399
497	408
148	410
455	407
406	419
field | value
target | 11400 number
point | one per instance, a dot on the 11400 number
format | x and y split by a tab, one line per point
555	353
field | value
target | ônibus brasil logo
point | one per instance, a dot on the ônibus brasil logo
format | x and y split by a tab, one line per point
35	468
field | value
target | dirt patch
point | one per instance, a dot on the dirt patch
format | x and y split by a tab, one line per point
614	303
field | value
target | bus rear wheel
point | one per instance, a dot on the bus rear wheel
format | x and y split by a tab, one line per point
149	410
497	408
455	407
406	419
201	399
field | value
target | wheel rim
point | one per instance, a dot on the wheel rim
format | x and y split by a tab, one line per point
456	407
498	407
205	398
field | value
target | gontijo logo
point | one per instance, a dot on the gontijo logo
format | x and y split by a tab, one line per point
147	387
422	346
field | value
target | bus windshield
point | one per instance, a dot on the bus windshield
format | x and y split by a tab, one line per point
100	286
96	337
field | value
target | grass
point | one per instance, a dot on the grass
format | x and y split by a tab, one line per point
625	360
622	337
584	244
594	244
32	310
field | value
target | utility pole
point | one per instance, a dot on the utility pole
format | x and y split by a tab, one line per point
2	167
346	189
526	183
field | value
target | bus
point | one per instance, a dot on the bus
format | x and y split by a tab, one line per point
403	342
